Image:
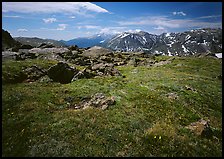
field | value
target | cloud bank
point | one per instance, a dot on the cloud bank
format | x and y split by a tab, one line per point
51	7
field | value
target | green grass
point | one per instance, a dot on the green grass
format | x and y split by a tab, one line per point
37	121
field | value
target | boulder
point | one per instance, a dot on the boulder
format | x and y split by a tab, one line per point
51	53
96	51
85	73
73	47
6	55
26	47
25	54
62	73
44	45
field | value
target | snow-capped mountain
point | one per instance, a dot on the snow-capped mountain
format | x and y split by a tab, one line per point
186	43
132	41
89	41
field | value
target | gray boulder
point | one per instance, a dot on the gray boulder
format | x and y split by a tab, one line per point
62	73
96	51
6	55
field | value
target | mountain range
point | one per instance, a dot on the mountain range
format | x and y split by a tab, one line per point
90	41
186	43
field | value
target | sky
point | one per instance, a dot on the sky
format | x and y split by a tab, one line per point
69	20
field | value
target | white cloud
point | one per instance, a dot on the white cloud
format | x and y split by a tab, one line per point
167	22
112	30
162	21
52	7
22	30
89	27
179	13
11	16
134	31
72	17
159	28
208	17
49	20
62	26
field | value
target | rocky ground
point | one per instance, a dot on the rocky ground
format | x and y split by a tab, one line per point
73	101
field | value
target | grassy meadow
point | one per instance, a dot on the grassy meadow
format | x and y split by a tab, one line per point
153	106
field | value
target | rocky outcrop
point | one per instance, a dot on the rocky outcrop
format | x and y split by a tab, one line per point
9	55
98	100
44	45
51	53
96	51
62	73
8	41
201	128
34	73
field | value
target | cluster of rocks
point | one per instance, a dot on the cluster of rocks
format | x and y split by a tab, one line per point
98	61
99	100
61	72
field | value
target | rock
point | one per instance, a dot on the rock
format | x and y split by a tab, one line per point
6	55
201	128
45	79
73	47
172	96
82	61
51	53
96	51
105	69
26	46
34	73
44	45
85	73
219	77
25	54
106	59
147	62
61	73
189	88
75	54
162	63
99	100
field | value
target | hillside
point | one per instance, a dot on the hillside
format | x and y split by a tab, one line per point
94	40
38	41
153	106
8	41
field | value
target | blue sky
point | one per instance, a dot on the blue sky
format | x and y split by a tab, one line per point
68	20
